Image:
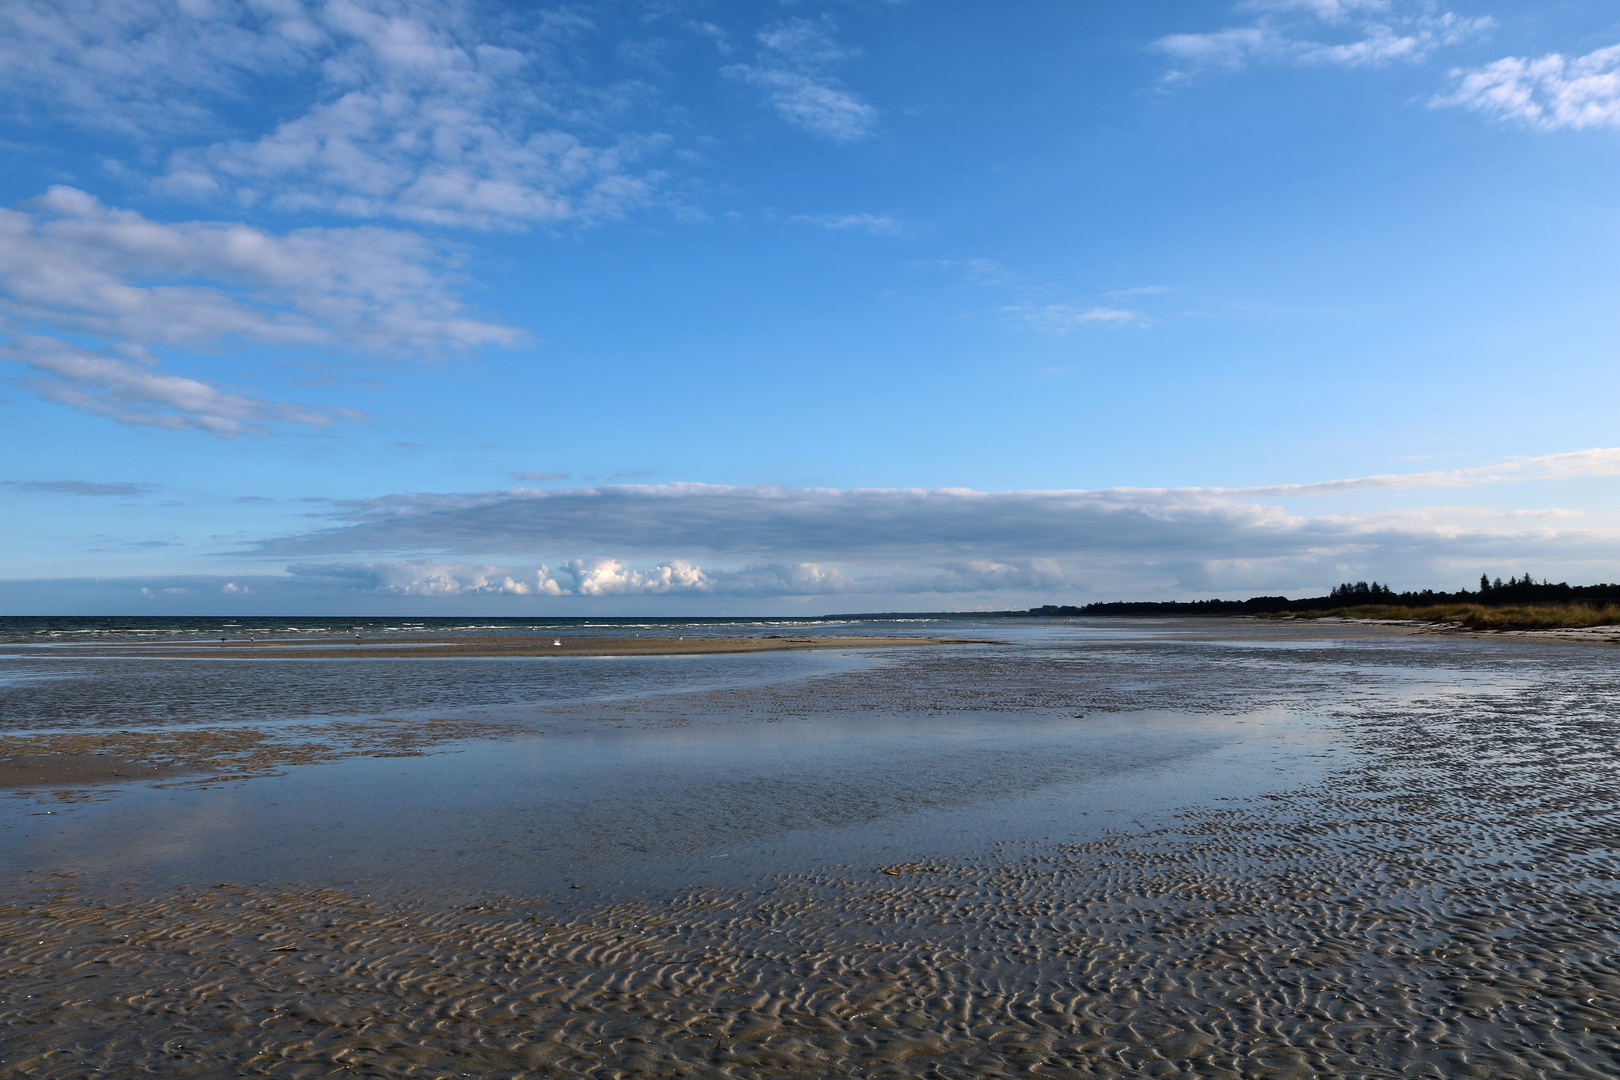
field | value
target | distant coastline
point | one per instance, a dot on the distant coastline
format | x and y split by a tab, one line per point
1515	604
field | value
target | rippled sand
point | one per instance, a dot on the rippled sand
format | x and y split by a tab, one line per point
1444	903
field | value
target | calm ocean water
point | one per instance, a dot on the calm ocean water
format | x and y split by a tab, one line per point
44	629
54	675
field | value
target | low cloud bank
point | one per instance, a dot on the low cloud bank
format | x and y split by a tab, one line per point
774	525
694	548
696	540
614	577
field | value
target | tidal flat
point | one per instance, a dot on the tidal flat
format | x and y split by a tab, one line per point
1118	848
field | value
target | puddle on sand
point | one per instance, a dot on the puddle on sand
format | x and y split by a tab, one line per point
645	806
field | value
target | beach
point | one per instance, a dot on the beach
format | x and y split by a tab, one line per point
1092	848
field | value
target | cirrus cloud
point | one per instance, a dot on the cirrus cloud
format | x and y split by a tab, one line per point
1336	33
1062	318
794	69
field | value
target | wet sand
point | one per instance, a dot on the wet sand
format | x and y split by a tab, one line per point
1441	899
49	770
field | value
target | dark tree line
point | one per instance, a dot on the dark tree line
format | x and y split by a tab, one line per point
1492	592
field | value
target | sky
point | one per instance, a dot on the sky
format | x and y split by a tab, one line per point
678	307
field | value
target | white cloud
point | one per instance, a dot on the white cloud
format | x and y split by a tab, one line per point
146	66
1596	462
1342	33
1549	92
610	577
792	68
137	393
877	224
431	578
599	577
1062	318
419	109
1329	11
604	577
68	260
72	266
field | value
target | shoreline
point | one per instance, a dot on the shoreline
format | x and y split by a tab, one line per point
462	646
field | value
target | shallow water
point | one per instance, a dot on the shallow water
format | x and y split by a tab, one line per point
652	772
663	806
1156	848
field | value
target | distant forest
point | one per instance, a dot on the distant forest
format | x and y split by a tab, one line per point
1497	593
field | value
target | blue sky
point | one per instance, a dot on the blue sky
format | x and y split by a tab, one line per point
709	307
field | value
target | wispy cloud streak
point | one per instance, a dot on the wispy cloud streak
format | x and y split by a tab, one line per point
1338	33
143	395
794	68
1599	461
82	487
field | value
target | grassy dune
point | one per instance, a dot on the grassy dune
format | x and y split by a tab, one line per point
1481	617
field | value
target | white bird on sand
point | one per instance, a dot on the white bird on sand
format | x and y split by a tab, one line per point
556	641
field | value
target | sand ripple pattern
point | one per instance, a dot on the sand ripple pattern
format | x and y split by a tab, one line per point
1445	906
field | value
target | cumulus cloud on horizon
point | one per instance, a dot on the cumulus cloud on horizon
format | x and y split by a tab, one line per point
603	577
575	577
702	539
